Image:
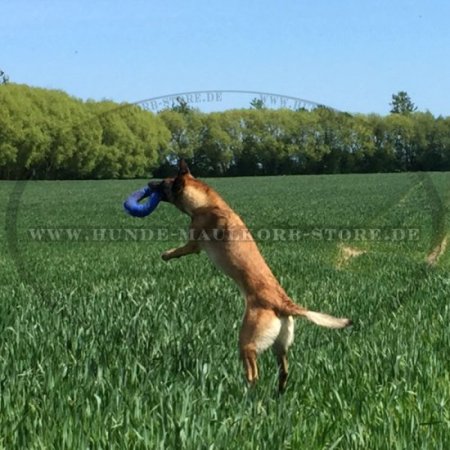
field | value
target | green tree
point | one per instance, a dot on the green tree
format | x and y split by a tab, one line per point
182	106
257	103
48	134
400	138
132	141
214	153
433	142
185	134
402	104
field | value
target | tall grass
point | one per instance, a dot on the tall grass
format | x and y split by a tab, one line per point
103	345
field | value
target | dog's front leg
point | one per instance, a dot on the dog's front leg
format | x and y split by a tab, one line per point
188	249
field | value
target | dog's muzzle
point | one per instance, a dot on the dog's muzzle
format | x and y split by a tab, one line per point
161	187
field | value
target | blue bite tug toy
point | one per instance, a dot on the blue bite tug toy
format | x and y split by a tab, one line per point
136	209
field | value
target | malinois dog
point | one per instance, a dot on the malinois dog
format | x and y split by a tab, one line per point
216	229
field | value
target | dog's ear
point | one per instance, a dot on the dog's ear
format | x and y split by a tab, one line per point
183	168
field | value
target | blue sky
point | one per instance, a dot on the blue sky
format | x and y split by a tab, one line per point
348	54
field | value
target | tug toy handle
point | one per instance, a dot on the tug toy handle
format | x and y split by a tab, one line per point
136	209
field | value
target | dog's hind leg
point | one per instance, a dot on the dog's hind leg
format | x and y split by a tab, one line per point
248	356
280	349
282	369
259	331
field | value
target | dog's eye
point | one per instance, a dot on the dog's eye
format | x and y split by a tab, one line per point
177	185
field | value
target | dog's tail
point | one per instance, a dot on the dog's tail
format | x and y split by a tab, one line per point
325	320
289	308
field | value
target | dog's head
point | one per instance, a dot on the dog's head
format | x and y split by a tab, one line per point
184	191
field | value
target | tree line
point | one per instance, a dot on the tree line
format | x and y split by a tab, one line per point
49	135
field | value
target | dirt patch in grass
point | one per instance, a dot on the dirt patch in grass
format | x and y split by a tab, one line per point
437	252
347	253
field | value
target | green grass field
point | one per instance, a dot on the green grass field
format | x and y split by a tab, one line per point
103	345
